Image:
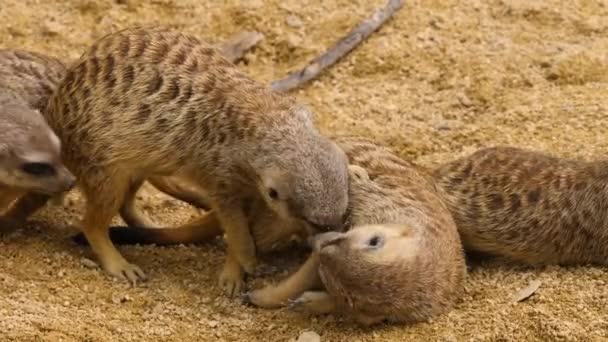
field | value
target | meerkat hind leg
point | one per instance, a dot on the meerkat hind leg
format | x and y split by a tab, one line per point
103	201
129	212
173	187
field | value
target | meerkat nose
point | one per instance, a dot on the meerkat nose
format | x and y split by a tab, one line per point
70	182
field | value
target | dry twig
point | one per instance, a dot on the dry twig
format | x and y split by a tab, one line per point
340	49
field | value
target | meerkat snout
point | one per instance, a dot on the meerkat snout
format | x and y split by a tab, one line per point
313	190
373	244
325	208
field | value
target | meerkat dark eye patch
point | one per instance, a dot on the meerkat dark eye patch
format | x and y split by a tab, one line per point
375	241
272	193
38	169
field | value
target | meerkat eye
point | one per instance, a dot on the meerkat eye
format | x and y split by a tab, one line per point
375	241
272	193
38	169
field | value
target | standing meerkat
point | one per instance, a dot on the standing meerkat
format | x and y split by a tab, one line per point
152	102
400	259
29	78
528	206
30	152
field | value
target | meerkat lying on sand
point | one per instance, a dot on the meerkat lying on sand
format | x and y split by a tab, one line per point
529	206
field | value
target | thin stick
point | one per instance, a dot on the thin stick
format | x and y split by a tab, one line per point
235	47
340	49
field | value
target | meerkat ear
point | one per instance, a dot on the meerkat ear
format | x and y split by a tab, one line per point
358	172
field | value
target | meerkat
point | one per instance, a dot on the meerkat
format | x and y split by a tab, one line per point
144	102
30	152
31	77
528	206
400	258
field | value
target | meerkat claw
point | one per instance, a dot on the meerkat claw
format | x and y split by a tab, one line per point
129	272
296	304
134	274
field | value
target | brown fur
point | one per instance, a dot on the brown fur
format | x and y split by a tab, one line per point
142	103
529	206
415	276
30	152
416	272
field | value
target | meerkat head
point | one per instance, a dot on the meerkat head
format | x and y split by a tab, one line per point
307	178
30	152
373	270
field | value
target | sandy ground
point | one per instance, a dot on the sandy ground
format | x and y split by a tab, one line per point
443	78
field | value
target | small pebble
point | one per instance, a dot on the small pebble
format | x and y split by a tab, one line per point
88	263
309	336
293	21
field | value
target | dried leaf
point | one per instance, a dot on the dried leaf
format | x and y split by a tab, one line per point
526	292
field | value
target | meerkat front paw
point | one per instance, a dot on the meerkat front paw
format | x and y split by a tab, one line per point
263	298
125	270
313	302
231	278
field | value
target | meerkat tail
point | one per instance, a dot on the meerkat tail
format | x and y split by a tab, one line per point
200	230
340	49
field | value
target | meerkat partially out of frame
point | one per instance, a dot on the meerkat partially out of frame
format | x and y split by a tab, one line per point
30	152
528	206
152	102
401	258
